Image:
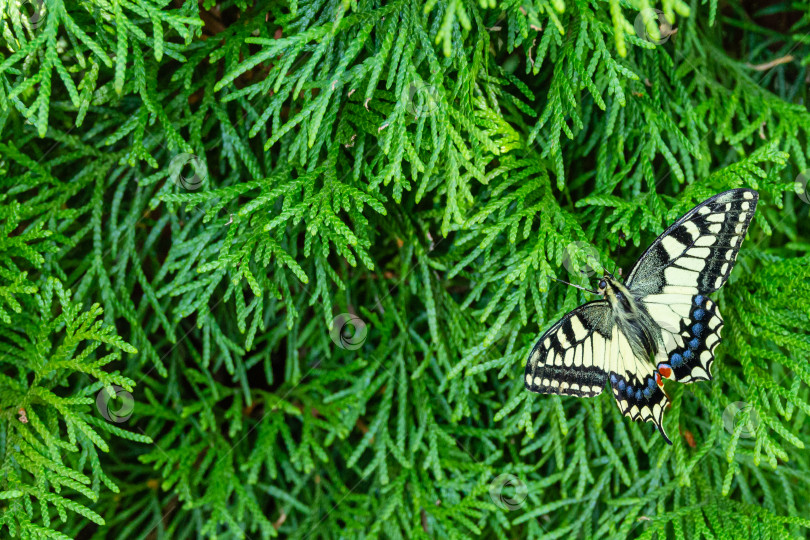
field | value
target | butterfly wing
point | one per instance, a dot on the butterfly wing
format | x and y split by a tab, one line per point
570	358
690	260
690	331
577	355
634	383
696	254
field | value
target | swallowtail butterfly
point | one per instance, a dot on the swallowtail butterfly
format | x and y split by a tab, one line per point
659	324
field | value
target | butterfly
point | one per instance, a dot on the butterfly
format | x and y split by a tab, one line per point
659	324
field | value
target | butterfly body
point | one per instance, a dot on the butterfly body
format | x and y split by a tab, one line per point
659	324
631	317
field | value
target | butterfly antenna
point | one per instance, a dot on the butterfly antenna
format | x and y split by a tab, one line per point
577	286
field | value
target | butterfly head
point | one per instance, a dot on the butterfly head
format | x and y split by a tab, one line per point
605	283
608	281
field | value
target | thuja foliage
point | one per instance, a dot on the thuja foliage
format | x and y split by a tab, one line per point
192	191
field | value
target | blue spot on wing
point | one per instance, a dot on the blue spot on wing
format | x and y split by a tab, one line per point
687	354
613	378
676	360
694	344
638	395
622	384
699	300
698	314
697	329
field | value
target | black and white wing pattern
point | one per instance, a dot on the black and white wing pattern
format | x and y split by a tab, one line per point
636	386
585	349
696	254
672	279
660	324
569	359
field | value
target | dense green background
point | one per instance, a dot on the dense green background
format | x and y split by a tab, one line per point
427	167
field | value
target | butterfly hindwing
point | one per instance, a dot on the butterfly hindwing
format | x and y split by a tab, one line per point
688	352
634	384
696	254
569	359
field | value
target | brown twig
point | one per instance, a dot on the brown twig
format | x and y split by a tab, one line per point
773	63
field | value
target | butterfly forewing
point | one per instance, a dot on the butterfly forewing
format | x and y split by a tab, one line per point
569	359
696	254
